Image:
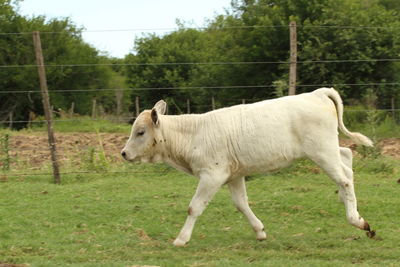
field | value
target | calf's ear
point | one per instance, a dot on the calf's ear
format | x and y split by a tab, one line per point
154	116
160	107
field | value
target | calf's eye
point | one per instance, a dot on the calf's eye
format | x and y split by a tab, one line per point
140	133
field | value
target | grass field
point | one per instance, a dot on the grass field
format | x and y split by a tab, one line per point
130	217
108	213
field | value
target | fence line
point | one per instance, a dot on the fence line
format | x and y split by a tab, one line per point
204	63
166	171
196	87
31	172
127	119
121	119
46	149
211	27
90	172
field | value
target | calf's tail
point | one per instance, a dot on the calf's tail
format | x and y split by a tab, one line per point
358	138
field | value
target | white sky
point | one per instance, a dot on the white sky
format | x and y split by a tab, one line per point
125	15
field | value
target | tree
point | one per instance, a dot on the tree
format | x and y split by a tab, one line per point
62	45
349	34
156	66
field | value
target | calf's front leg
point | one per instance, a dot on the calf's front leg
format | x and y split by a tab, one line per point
239	197
208	186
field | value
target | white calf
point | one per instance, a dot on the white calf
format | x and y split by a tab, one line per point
222	146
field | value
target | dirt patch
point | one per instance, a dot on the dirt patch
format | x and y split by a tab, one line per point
3	264
32	149
391	147
388	147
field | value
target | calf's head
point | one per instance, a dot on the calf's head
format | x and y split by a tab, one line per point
141	144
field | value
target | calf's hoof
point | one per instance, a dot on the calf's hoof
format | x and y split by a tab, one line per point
261	236
179	243
370	233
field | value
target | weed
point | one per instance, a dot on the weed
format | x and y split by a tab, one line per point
373	123
88	158
373	118
280	88
102	155
376	165
93	160
5	149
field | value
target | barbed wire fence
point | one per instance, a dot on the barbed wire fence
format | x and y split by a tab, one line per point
292	63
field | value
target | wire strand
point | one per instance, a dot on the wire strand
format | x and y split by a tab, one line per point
211	27
195	87
204	63
87	172
129	119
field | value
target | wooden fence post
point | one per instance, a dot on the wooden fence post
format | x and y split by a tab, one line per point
293	58
119	95
94	101
393	106
137	106
72	109
46	105
10	120
188	105
212	103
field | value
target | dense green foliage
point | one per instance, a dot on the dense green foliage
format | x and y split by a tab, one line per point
62	44
256	31
216	59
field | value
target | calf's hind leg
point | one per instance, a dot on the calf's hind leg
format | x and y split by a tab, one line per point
330	160
239	197
347	164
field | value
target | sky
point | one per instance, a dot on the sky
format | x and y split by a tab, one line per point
112	25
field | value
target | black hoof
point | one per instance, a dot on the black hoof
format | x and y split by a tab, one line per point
371	234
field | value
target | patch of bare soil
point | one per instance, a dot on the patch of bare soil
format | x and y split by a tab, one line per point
32	149
389	147
3	264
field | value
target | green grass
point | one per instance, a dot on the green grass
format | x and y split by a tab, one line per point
116	214
83	124
376	124
132	216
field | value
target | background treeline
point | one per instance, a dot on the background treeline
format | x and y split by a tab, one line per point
229	39
62	45
250	31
